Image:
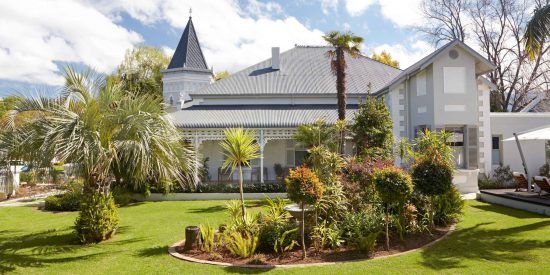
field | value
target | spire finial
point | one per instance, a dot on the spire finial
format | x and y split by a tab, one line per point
190	12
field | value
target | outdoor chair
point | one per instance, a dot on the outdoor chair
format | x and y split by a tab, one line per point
225	175
521	181
256	176
543	183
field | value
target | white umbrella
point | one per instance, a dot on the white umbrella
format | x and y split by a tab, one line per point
541	133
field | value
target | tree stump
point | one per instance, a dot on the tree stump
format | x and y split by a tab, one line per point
192	238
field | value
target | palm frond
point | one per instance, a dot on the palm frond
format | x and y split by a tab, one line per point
537	32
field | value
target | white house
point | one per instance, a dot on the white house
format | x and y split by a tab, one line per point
444	90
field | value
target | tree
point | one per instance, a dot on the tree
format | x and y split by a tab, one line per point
372	129
303	187
318	133
496	28
102	129
385	57
221	75
343	43
140	71
239	148
537	31
394	187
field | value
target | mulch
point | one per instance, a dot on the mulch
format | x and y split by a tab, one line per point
409	242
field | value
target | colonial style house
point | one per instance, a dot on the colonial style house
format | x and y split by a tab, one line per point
444	90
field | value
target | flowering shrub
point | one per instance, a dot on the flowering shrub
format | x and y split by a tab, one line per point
303	186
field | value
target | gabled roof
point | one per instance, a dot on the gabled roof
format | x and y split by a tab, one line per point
429	59
257	116
188	54
303	70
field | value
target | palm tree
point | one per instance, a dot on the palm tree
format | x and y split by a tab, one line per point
103	130
239	147
343	43
537	31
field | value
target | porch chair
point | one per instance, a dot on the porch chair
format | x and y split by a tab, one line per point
256	176
225	175
521	181
543	183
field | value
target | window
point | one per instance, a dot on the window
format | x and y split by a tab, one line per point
295	155
454	79
456	141
495	152
421	84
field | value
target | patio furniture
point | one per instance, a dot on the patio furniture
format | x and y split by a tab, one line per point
521	181
543	183
256	175
225	175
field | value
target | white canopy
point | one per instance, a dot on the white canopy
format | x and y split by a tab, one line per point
541	133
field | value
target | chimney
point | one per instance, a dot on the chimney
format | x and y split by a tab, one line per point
275	59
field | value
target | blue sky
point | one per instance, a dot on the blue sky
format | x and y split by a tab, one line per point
38	37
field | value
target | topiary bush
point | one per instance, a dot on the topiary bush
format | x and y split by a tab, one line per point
303	187
98	218
432	177
394	187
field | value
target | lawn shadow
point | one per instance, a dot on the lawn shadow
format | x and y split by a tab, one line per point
477	242
153	251
47	247
211	209
516	213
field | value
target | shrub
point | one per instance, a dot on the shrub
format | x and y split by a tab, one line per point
242	245
277	237
98	218
355	225
393	185
326	236
432	177
62	202
485	182
372	129
68	201
26	177
208	243
503	175
366	244
247	225
122	196
357	181
447	207
303	187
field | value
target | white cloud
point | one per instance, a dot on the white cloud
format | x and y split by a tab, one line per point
402	13
328	5
36	34
357	7
231	37
406	55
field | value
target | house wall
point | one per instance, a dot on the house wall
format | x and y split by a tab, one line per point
459	108
421	100
178	84
505	125
274	152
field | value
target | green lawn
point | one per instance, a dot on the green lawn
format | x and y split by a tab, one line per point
490	239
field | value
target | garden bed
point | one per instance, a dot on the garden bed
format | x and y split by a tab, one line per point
315	257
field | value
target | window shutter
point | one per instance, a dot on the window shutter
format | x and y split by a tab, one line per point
290	144
472	148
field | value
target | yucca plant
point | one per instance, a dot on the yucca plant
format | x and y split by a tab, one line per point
208	237
110	134
239	148
242	245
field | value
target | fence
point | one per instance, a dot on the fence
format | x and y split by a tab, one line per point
6	186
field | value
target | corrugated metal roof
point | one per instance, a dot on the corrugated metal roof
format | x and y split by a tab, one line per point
256	116
188	54
303	70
